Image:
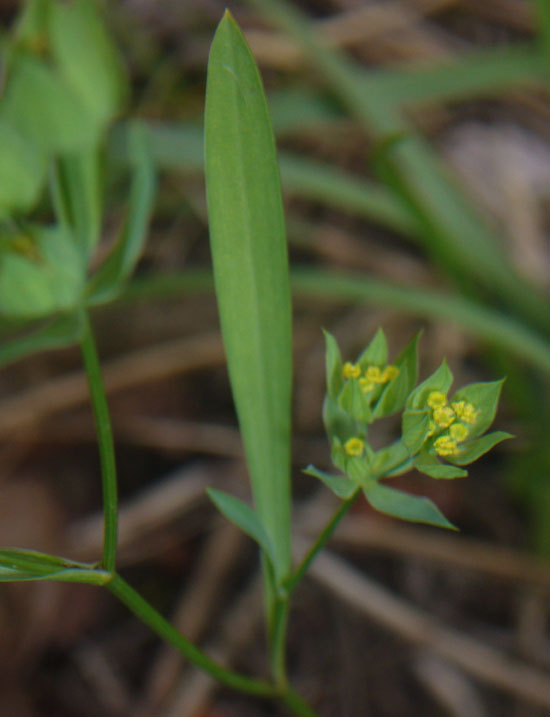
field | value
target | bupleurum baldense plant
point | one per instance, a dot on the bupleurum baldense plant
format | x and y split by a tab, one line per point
61	50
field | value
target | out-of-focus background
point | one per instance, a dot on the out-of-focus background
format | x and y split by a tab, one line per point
396	619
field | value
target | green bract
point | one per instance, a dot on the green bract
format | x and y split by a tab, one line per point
438	434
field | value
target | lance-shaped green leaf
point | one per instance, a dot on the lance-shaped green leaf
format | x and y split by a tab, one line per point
244	517
376	352
472	450
341	486
398	504
395	394
118	267
249	253
333	366
352	400
415	428
428	464
483	397
17	564
440	380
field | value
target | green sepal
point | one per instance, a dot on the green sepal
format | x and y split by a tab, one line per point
472	450
398	504
358	468
428	464
484	396
244	517
342	486
338	422
376	353
415	428
353	401
395	393
389	459
333	366
440	380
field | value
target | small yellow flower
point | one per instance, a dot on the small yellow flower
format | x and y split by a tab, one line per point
466	411
444	416
459	432
373	374
366	385
437	399
351	370
445	446
354	446
389	373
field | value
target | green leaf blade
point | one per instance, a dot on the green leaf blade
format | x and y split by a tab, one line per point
398	504
251	273
243	516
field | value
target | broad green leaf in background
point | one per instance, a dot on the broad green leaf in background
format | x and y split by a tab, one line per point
44	273
251	274
44	109
86	58
22	170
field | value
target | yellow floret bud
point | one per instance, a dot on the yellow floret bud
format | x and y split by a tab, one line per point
373	374
459	432
351	370
466	411
354	446
437	399
444	416
445	446
366	385
389	373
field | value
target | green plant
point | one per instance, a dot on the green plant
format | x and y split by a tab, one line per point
44	276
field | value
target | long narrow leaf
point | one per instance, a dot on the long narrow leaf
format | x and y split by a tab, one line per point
251	273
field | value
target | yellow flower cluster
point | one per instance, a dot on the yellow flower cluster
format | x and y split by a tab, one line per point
354	446
445	416
373	375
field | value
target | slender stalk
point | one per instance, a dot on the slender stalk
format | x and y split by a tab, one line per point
297	705
151	617
105	443
320	543
278	644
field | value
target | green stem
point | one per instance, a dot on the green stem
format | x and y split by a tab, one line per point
320	543
296	704
278	644
147	614
105	442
